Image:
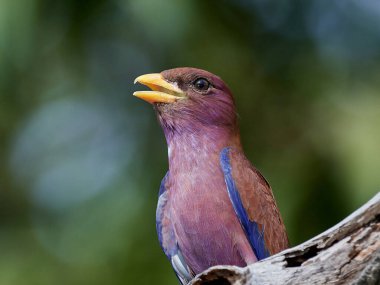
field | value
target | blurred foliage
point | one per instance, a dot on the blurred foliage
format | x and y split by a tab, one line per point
81	159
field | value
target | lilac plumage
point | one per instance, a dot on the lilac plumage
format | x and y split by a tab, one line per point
214	207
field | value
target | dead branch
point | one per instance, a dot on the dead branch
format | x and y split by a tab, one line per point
348	253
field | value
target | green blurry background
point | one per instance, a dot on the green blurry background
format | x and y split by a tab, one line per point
82	159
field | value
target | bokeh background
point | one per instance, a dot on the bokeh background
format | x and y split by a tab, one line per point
82	159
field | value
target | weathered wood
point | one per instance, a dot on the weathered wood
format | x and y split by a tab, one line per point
348	253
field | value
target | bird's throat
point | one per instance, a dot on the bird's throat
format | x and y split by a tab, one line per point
190	149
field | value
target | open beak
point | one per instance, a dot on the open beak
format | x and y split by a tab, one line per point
162	91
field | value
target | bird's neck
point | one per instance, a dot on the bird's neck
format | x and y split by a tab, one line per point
199	146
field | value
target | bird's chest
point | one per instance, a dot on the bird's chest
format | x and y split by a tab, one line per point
197	198
203	217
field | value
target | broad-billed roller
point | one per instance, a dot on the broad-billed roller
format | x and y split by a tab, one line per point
214	207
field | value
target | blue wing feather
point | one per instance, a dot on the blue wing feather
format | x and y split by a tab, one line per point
167	238
160	210
251	229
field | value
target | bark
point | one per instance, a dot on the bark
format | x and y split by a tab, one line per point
348	253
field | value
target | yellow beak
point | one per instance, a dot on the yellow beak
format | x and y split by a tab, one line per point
163	91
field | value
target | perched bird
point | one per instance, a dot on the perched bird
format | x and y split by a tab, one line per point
214	207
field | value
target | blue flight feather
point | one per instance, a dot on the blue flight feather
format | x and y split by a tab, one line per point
255	237
173	253
159	213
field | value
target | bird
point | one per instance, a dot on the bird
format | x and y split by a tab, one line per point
214	207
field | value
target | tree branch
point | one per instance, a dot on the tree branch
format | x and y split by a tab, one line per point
348	253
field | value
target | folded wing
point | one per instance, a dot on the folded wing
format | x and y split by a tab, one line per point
254	204
167	238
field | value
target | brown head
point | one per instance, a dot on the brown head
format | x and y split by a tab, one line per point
189	100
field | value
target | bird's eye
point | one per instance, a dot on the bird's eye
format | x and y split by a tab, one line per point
201	84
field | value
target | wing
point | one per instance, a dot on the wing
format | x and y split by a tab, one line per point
254	204
167	238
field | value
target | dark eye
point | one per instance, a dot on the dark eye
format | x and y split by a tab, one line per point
201	84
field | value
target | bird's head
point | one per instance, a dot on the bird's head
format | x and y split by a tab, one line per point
189	100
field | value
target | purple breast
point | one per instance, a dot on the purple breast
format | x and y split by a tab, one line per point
206	227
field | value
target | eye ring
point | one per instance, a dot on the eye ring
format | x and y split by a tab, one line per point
201	84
